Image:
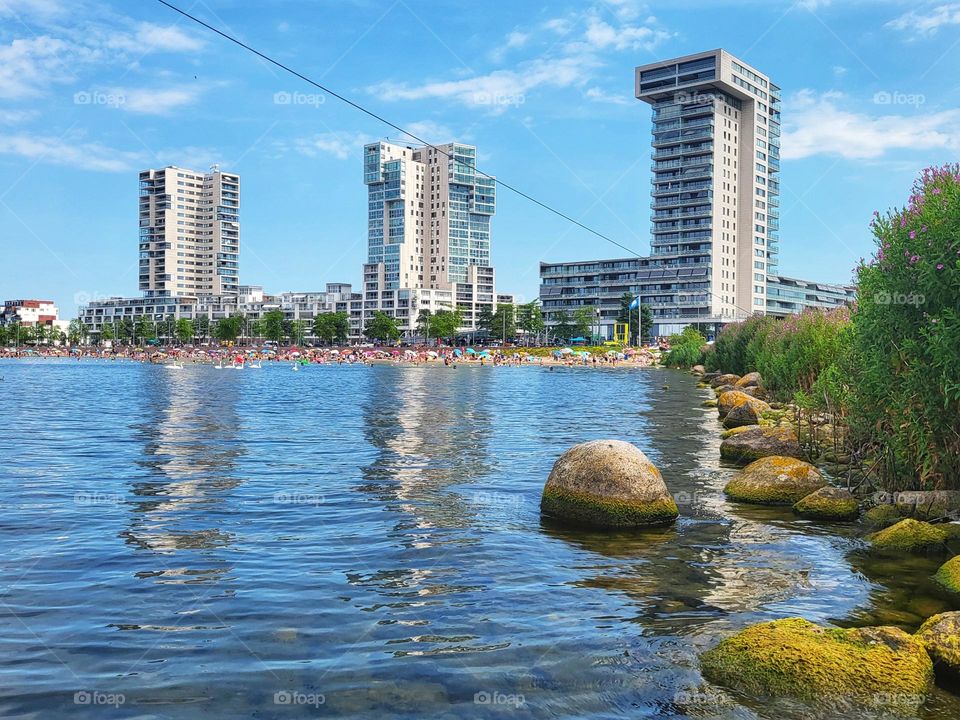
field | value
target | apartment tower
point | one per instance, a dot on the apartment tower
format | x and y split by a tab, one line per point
716	155
189	232
428	232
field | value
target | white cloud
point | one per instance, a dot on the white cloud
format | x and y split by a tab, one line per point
598	95
28	65
159	101
601	35
812	4
148	37
927	21
70	152
431	131
15	117
571	62
839	70
341	144
819	126
20	9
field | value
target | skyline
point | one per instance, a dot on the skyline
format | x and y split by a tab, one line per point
546	94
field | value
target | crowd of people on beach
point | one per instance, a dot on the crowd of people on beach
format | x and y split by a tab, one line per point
255	356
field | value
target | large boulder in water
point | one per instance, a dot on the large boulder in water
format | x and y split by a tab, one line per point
774	481
752	379
698	370
747	443
910	536
607	483
828	503
870	667
940	634
727	401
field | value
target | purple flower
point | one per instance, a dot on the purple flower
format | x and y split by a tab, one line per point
936	191
939	266
913	234
913	259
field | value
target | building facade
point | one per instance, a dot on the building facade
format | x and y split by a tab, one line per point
716	159
189	232
428	232
787	296
250	301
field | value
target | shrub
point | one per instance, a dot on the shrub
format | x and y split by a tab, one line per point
686	349
907	336
731	351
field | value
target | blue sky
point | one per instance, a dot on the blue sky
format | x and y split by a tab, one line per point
92	92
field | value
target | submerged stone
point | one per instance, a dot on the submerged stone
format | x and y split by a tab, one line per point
940	634
775	480
908	535
882	516
795	658
828	503
607	483
752	442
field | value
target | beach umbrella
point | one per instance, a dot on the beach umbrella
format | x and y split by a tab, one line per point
457	352
471	351
334	352
432	353
566	351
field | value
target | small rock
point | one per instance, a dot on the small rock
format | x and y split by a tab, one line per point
698	369
752	379
752	442
774	480
941	636
910	536
747	413
828	503
726	379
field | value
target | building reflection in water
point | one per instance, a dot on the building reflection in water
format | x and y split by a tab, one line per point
431	430
191	445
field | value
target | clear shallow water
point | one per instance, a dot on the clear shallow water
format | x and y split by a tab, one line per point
366	542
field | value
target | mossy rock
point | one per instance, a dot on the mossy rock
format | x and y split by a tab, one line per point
702	385
745	413
795	658
720	390
725	379
607	483
882	516
940	634
910	536
709	403
828	503
731	399
747	443
948	576
775	480
752	379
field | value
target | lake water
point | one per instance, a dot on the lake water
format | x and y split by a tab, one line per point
366	542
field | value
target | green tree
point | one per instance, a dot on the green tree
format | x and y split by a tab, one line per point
298	329
584	319
202	325
485	319
146	329
341	323
530	318
423	323
184	331
646	322
382	327
228	329
124	330
323	328
686	349
445	324
272	325
504	322
563	329
4	335
107	332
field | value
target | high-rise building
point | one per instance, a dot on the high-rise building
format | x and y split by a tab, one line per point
716	155
189	232
428	232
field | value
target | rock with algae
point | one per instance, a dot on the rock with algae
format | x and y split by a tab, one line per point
828	503
751	442
948	576
909	536
607	483
795	658
775	480
940	634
